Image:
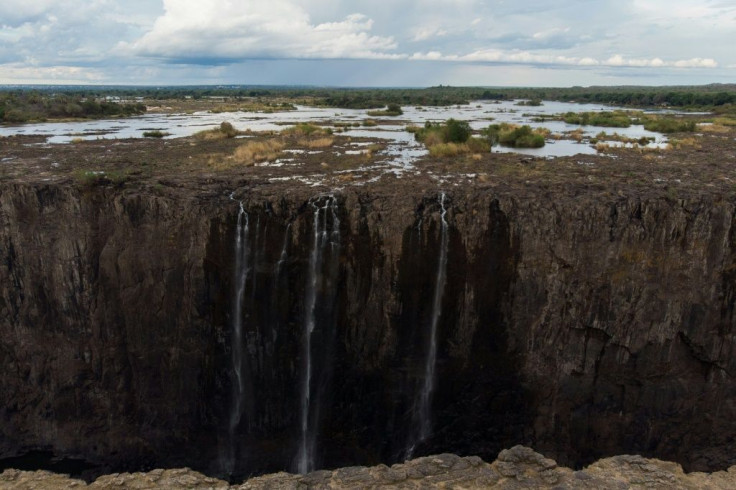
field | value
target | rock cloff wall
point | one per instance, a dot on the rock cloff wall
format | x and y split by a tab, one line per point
586	325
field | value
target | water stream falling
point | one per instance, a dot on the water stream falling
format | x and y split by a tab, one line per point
324	242
422	410
283	256
241	274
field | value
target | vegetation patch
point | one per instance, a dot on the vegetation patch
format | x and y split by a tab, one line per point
155	134
475	146
515	136
254	106
451	131
450	138
224	131
391	110
324	142
610	119
669	125
26	106
257	151
306	129
603	136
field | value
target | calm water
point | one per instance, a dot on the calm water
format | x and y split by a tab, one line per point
402	149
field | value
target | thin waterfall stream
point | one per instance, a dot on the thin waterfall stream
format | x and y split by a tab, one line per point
324	242
242	233
422	410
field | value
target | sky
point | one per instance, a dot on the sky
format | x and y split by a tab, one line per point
381	43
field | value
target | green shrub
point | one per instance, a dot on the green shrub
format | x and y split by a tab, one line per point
669	125
391	110
155	134
87	178
611	119
228	130
451	131
225	130
514	136
457	131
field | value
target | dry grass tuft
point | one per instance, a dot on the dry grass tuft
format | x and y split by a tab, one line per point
686	142
433	138
448	149
247	155
577	134
317	143
474	146
257	151
714	128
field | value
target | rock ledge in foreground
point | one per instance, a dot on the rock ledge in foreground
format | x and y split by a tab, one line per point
518	467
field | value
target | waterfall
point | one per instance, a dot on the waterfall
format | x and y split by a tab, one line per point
422	409
323	242
240	273
283	256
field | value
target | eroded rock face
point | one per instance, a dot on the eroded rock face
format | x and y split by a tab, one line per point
518	467
588	325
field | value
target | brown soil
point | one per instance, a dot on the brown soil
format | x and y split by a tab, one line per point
708	165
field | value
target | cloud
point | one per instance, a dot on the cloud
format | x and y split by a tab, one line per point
195	31
188	41
426	33
531	58
20	73
14	13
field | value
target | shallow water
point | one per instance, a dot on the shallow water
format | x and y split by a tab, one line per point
401	151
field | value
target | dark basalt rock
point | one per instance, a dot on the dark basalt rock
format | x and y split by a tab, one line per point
583	326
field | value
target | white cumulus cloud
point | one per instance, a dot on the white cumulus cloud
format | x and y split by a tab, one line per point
210	31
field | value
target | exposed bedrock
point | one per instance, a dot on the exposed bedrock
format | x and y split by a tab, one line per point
585	326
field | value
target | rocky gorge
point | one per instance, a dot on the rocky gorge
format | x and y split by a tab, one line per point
238	325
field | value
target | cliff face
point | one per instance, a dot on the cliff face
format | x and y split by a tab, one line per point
585	325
